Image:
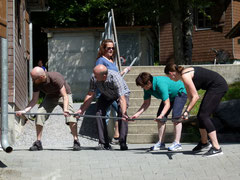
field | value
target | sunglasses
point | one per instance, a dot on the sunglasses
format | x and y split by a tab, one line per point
110	48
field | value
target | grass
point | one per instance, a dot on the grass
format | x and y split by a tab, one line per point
233	92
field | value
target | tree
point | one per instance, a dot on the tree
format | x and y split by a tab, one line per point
85	13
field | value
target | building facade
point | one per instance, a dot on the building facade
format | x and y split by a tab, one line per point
207	33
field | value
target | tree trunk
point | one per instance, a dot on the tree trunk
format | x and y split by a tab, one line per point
176	20
187	32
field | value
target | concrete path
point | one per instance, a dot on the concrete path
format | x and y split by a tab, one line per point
137	163
58	162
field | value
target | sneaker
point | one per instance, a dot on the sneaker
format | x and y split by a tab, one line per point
37	146
104	147
158	146
76	145
175	147
123	146
213	152
115	141
202	146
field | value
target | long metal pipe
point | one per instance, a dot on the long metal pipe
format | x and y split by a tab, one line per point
4	92
4	101
31	61
177	119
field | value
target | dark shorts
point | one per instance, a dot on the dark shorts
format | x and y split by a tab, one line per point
176	106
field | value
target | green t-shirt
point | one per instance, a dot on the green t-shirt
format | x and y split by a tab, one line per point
164	88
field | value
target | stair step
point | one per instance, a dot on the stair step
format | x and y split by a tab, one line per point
148	128
152	110
148	138
153	138
133	86
137	102
136	93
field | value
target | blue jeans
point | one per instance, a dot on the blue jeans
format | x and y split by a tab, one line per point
114	107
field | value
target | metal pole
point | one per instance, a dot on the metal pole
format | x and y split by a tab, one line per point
116	40
30	62
4	93
105	32
177	119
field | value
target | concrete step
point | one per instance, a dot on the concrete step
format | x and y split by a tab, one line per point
148	138
148	128
152	110
132	86
144	121
136	94
153	138
137	102
149	69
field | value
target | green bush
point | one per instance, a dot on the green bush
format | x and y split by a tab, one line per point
233	92
195	109
40	100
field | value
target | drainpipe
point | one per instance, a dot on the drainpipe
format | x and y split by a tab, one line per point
4	93
31	61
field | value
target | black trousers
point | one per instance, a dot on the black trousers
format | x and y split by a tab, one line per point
209	104
103	104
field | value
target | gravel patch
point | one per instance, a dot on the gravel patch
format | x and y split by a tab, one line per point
56	133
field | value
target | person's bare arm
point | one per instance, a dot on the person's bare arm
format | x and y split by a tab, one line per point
30	105
65	101
87	101
144	106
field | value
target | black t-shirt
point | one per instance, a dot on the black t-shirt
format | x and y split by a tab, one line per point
209	80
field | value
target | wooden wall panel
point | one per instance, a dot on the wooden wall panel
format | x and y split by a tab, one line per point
3	18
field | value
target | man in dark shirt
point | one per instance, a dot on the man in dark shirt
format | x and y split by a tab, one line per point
112	88
57	92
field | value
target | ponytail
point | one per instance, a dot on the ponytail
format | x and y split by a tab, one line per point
171	67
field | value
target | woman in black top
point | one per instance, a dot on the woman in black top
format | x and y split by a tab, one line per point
195	78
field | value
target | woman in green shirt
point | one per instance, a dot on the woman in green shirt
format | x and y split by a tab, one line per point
173	96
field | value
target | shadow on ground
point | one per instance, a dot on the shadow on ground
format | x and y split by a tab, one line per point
88	128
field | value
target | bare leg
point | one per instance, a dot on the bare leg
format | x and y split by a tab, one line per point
213	137
178	131
39	130
73	127
204	136
116	130
161	131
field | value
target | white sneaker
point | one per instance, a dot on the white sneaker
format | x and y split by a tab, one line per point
175	147
158	146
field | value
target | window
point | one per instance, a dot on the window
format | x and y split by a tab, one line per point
203	19
18	21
